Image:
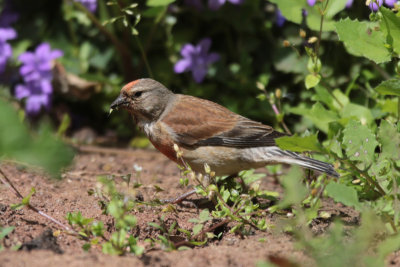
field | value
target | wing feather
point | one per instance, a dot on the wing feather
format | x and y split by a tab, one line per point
206	123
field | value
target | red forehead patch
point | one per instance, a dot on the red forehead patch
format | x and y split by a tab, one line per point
129	85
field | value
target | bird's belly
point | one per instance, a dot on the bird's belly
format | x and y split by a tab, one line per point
227	160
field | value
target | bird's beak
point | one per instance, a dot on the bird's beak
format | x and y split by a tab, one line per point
120	101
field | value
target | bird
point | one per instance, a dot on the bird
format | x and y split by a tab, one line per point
205	132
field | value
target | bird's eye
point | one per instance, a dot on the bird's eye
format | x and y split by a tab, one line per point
137	94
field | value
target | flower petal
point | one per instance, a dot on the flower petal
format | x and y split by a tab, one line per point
46	87
187	50
21	91
27	58
199	73
212	57
182	65
236	2
204	45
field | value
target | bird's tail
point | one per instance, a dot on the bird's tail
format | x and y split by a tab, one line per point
309	163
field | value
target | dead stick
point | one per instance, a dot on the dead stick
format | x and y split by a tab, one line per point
8	182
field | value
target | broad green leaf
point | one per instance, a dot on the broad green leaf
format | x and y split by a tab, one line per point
197	228
295	190
343	194
390	140
292	10
312	80
16	143
359	142
362	113
390	25
153	3
4	231
389	87
249	176
319	115
362	39
335	100
290	62
299	144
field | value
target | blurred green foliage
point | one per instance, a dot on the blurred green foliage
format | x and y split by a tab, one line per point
40	149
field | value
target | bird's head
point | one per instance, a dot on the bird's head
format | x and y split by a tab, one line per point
145	99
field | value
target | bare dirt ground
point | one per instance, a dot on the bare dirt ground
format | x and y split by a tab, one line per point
58	197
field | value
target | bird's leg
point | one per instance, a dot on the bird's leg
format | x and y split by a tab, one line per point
205	183
180	198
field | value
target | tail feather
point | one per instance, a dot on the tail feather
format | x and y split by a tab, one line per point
309	163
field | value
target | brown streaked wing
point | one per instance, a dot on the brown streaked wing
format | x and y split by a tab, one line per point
195	119
206	123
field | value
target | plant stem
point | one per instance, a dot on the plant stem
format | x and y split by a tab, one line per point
4	179
121	48
137	40
320	30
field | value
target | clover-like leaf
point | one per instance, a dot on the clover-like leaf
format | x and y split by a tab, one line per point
362	39
359	142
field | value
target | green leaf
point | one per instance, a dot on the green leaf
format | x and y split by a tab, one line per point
319	115
361	39
153	3
359	141
204	216
292	10
299	144
343	194
295	191
389	87
390	25
335	100
17	143
197	228
359	112
4	231
312	80
390	140
25	201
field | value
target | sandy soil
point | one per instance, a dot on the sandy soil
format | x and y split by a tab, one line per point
57	197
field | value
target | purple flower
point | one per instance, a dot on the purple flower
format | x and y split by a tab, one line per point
280	19
91	5
311	2
216	4
35	95
349	3
390	2
374	5
5	48
36	71
196	59
37	65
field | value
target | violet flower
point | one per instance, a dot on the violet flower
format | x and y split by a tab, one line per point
36	72
390	3
36	96
280	19
196	59
311	2
91	5
349	3
216	4
5	48
374	5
